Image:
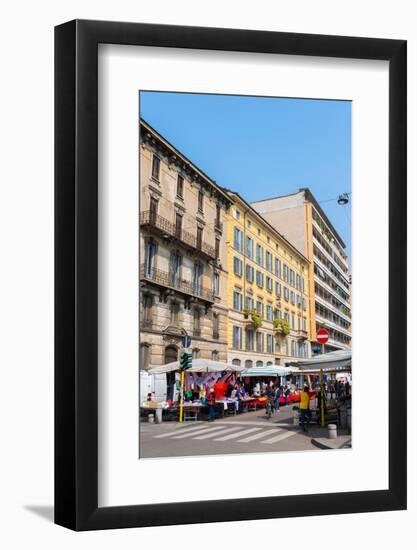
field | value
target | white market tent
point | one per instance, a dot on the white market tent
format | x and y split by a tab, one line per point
269	370
198	365
340	360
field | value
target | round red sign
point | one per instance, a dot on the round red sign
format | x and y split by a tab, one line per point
322	336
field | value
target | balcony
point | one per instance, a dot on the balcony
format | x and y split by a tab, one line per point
331	324
301	334
169	229
167	280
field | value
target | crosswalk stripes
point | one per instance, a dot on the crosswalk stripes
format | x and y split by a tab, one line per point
236	434
258	435
278	437
207	436
239	432
201	431
182	430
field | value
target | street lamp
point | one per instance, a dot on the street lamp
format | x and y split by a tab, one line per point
343	199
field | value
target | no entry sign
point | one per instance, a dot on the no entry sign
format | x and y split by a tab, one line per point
322	336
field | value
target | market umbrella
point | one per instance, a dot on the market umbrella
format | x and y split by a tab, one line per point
269	370
198	365
340	360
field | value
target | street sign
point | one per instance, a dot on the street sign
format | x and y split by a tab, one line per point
322	336
186	341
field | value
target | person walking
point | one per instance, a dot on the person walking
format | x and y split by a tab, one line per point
278	394
305	413
211	400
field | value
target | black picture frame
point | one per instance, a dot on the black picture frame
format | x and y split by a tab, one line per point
76	272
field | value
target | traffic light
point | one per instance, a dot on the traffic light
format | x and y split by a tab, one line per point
186	360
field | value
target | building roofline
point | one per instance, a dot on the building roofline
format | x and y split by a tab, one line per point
309	196
271	227
218	188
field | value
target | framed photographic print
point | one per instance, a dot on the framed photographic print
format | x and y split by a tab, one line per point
230	275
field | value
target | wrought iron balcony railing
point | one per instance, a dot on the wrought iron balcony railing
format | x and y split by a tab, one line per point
171	280
150	218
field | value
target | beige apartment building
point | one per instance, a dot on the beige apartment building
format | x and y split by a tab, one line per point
269	316
300	218
183	255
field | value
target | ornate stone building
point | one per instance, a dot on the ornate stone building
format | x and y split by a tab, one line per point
183	256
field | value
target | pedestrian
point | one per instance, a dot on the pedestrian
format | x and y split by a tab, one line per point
211	400
305	412
278	394
287	395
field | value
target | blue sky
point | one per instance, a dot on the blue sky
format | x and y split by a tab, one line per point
262	147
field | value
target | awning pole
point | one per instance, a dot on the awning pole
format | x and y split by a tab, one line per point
322	398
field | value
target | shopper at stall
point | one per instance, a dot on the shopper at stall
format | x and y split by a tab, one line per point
278	394
211	401
305	413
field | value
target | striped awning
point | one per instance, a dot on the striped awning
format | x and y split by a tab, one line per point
271	370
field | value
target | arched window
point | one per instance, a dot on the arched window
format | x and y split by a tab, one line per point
144	356
269	364
196	353
259	363
215	355
248	364
236	362
171	354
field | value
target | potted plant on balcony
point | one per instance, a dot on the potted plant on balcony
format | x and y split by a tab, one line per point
281	326
256	320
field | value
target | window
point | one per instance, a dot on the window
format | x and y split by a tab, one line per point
292	297
268	261
292	321
147	307
292	277
196	353
178	225
237	214
260	342
269	343
180	186
198	272
237	266
285	273
216	326
268	284
238	239
196	321
277	350
287	346
175	268
218	211
298	282
144	356
250	273
293	349
249	303
260	279
278	289
237	337
269	313
236	362
298	300
150	256
199	237
174	311
156	163
250	339
249	248
200	201
286	294
217	247
277	314
304	324
216	283
287	316
249	223
153	210
278	267
215	355
304	304
259	255
298	322
302	284
260	308
237	300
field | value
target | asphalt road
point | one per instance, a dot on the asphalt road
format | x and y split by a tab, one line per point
244	433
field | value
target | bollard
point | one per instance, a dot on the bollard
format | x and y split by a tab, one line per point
151	418
296	418
158	417
332	431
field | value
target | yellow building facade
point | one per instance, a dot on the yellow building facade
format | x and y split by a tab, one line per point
267	292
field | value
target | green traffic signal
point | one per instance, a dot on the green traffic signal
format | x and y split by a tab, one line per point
186	360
